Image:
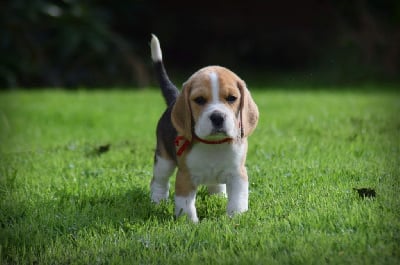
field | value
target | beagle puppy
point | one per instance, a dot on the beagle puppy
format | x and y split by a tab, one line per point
203	133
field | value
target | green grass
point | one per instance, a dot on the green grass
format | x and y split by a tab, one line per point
62	203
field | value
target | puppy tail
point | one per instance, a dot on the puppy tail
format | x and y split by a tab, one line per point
169	90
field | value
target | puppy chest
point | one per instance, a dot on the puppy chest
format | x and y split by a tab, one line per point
210	164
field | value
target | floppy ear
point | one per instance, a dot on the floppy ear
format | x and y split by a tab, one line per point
248	110
181	115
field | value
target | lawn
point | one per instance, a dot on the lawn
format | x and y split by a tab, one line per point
75	171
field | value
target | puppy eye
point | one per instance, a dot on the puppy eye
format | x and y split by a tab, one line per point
231	99
200	101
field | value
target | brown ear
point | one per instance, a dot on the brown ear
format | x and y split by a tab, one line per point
181	115
248	110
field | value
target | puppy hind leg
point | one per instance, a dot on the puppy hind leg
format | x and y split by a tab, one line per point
162	170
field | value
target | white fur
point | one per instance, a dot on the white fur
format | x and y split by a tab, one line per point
238	195
215	165
156	54
214	87
186	205
162	170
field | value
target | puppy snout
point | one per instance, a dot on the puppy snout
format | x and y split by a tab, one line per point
217	119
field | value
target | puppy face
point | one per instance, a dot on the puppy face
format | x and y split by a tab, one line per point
214	101
212	104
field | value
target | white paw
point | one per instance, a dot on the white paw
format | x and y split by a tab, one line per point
185	205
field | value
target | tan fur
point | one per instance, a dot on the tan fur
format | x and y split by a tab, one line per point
249	110
243	171
183	183
200	87
181	115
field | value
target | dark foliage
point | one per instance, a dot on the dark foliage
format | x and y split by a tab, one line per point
71	43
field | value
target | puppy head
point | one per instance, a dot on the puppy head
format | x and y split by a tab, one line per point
214	104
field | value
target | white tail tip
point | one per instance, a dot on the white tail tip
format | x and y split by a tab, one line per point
156	54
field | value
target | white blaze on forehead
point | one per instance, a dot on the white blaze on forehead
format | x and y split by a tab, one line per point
214	86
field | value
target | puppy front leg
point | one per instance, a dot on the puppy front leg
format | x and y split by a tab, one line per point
185	196
238	194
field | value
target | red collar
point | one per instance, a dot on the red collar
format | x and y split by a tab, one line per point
183	147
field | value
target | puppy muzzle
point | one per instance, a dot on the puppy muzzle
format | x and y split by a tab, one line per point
215	123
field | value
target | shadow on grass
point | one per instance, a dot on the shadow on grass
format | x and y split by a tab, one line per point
132	206
34	226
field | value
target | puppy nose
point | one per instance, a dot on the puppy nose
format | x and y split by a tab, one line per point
217	119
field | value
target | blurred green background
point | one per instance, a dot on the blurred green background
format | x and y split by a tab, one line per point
105	44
